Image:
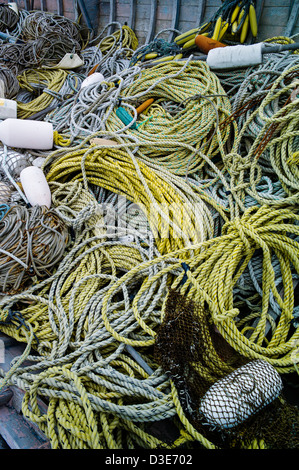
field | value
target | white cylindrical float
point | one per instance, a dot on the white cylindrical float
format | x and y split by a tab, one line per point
230	57
35	186
8	108
96	77
29	134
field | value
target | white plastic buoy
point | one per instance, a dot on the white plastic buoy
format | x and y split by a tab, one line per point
223	58
8	108
13	6
68	61
96	77
39	161
126	239
29	134
244	392
35	186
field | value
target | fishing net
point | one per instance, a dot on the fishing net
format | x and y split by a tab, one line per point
199	360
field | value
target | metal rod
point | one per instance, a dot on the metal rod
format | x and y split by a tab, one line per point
60	7
152	24
292	19
84	12
268	48
201	11
175	18
131	22
112	16
139	359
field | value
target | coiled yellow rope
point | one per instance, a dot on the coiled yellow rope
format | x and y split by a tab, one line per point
174	218
99	397
108	296
125	36
200	103
50	81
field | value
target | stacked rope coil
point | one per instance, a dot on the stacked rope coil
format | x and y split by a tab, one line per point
32	242
201	105
17	31
39	23
88	111
44	40
260	154
9	83
174	220
123	38
41	89
8	18
197	285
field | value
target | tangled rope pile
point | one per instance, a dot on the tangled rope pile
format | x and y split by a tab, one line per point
8	18
47	88
32	243
8	82
174	220
43	39
172	186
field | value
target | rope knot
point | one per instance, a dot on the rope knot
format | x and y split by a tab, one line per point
235	163
10	317
225	316
241	229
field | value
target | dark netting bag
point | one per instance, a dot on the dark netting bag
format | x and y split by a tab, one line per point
229	399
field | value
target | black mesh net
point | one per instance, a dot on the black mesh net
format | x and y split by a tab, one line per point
197	358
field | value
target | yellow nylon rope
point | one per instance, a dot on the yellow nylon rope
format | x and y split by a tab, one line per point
108	296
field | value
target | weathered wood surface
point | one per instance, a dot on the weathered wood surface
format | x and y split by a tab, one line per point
278	17
273	20
16	432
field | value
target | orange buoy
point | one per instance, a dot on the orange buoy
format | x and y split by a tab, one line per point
144	105
205	44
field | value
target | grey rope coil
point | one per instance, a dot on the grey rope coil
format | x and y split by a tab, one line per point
33	241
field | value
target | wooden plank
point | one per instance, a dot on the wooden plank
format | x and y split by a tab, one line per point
292	19
270	17
17	433
5	396
188	17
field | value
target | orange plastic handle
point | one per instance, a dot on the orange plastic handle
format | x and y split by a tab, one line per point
205	44
144	105
94	68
